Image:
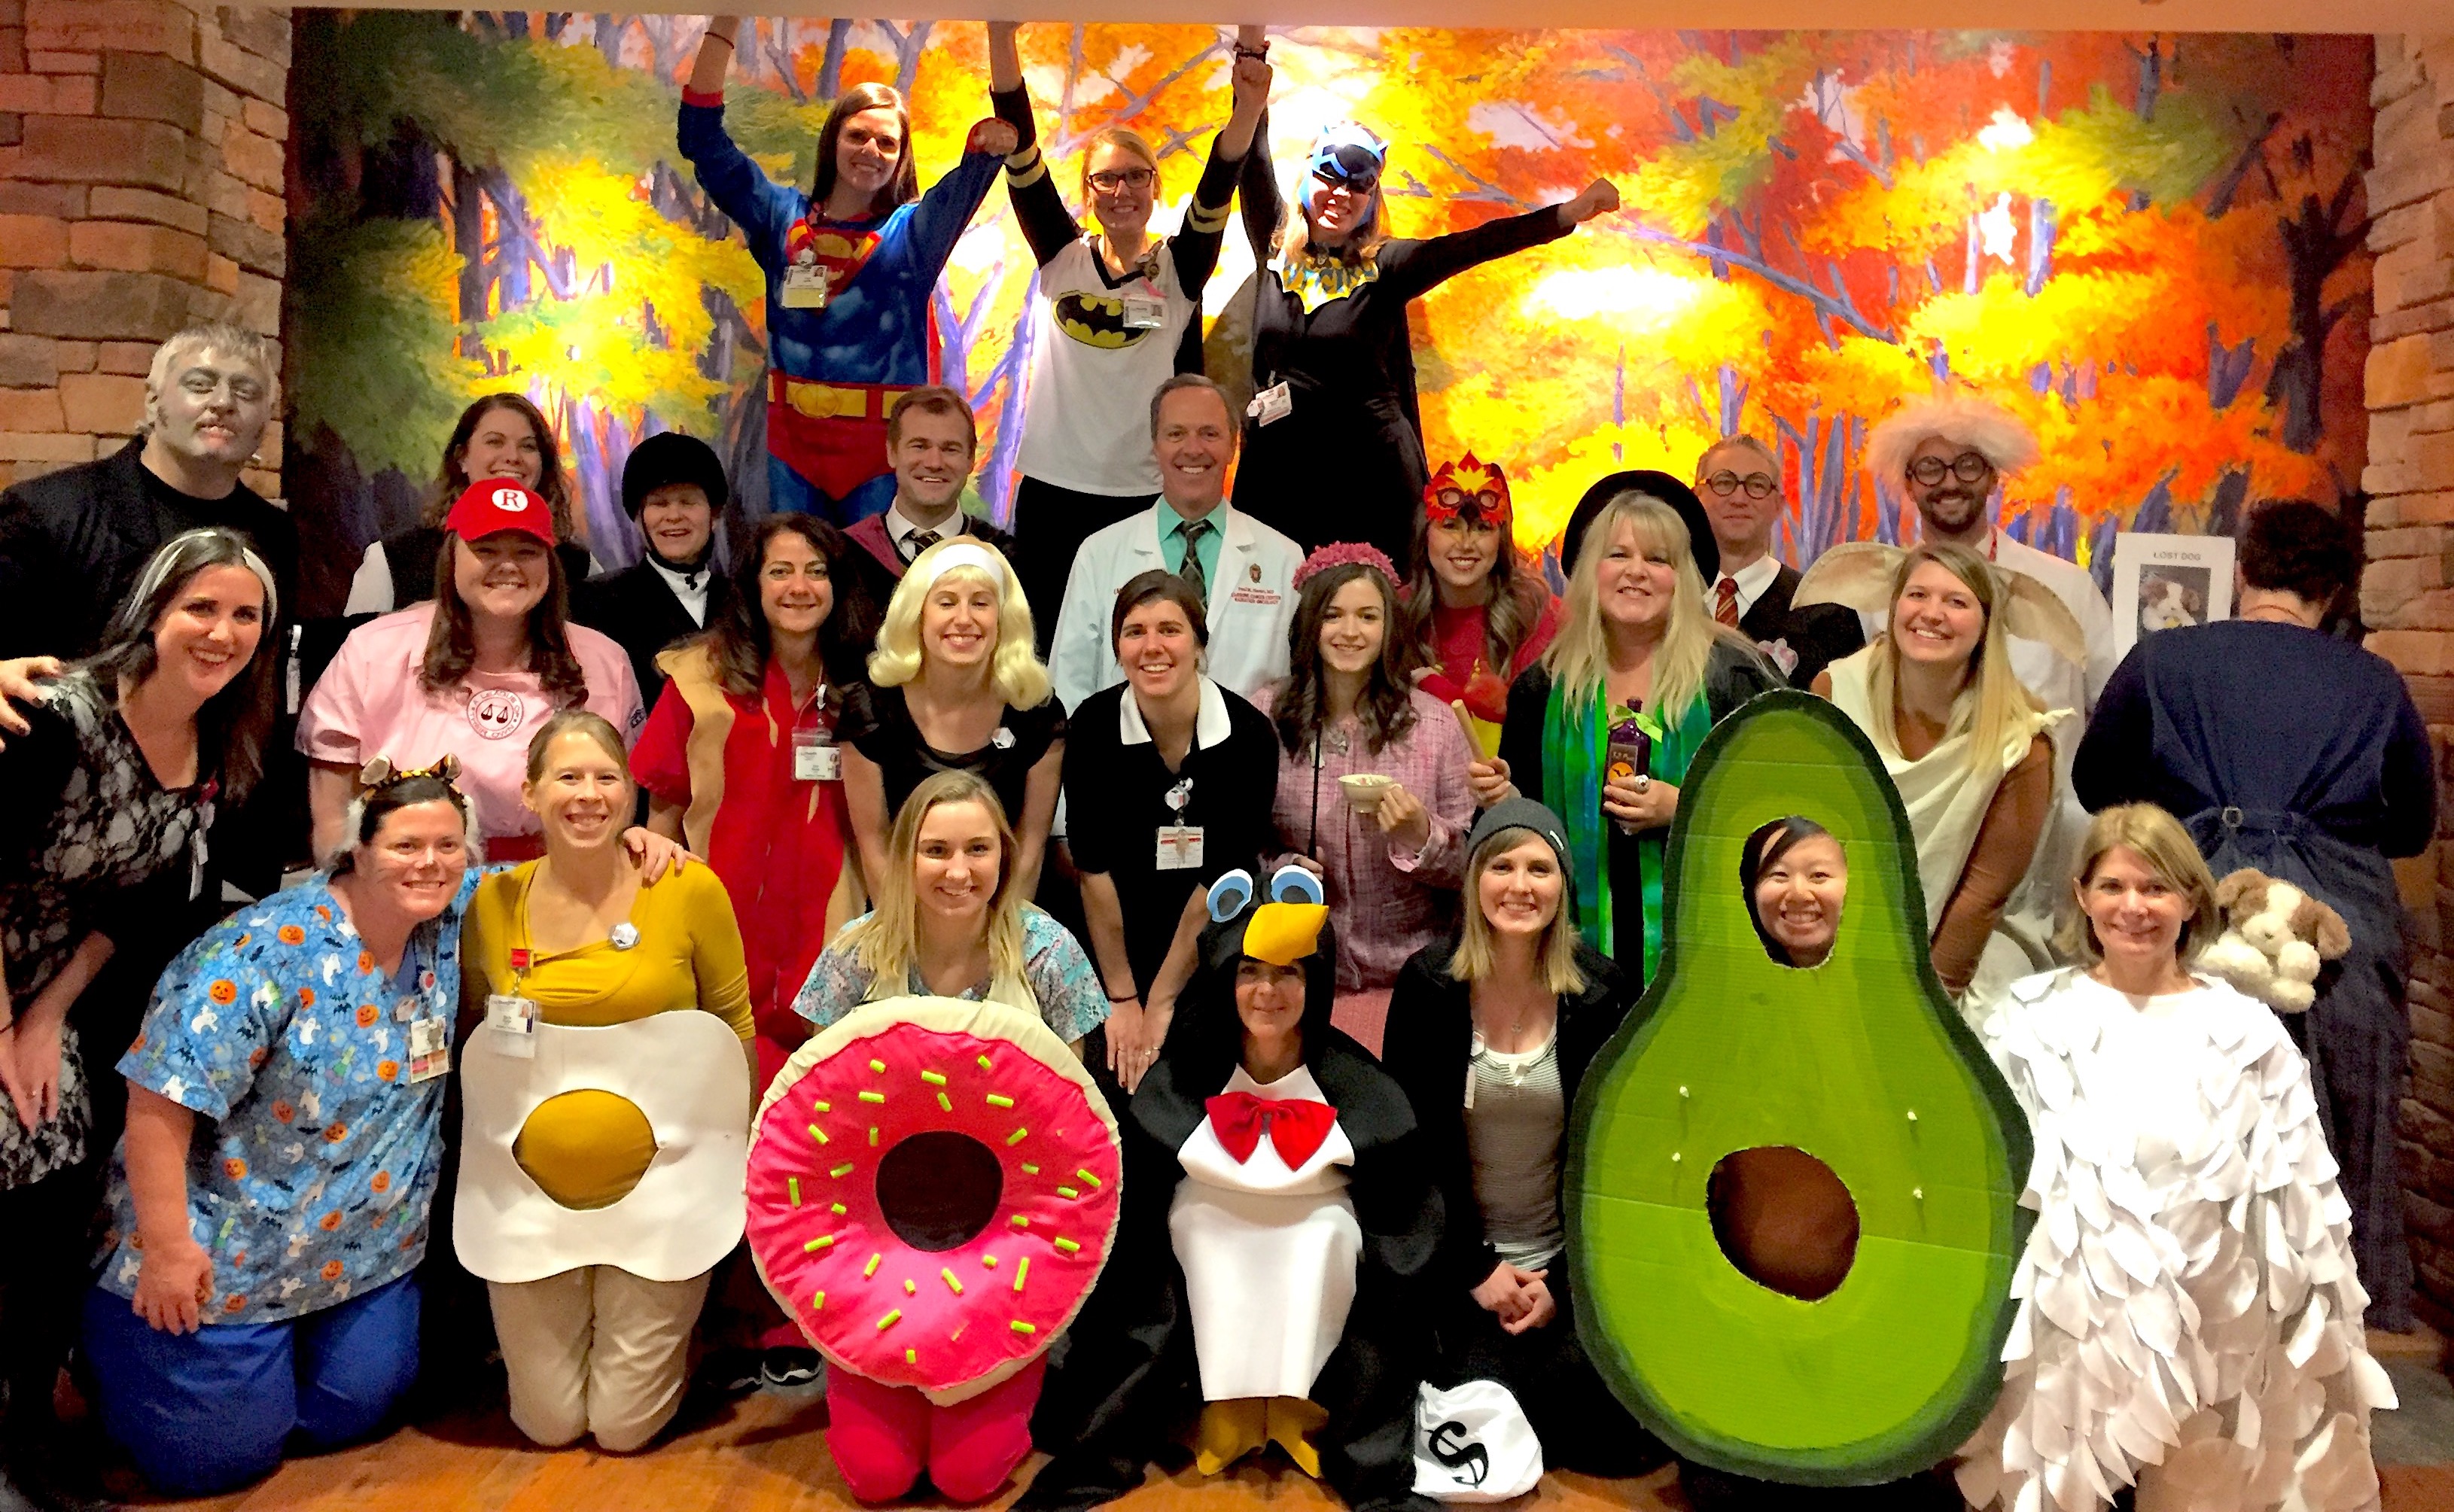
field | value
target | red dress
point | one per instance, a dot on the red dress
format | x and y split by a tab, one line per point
1464	672
777	843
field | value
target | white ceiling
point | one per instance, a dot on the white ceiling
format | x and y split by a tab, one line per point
2411	16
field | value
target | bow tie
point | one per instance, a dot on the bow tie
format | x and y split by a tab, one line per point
1295	1125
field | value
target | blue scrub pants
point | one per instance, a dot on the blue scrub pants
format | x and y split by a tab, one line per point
205	1412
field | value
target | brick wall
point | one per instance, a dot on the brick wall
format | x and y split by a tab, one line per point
2407	593
142	150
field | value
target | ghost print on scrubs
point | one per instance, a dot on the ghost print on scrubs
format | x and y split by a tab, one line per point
316	1152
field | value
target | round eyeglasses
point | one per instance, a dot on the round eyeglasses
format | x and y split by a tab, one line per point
1968	467
1758	485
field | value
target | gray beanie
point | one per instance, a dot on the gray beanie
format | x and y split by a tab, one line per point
1521	814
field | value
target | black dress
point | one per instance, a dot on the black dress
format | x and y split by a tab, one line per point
1115	802
2303	756
877	723
1731	678
1347	463
1429	1052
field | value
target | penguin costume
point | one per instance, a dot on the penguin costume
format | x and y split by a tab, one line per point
1270	1276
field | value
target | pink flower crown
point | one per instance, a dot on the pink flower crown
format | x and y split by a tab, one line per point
1350	553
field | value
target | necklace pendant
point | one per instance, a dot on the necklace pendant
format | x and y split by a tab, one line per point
1337	742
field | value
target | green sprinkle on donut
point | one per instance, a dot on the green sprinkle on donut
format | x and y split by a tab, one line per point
890	1319
1021	1327
822	1107
1067	1193
836	1209
872	1096
945	1103
984	1063
871	1269
793	1189
1068	1246
948	1274
817	1133
1018	1137
1021	1271
879	1066
1029	1169
842	1171
817	1301
999	1099
935	1079
1088	1180
823	1241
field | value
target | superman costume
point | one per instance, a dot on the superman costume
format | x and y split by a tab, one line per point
834	372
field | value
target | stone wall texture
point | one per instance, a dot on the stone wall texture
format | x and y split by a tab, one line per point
142	153
2408	593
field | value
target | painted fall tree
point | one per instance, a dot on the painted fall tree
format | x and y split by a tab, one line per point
2147	245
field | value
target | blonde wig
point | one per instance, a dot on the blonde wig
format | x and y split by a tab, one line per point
1578	659
2159	840
2001	702
1981	425
886	942
1015	671
1554	955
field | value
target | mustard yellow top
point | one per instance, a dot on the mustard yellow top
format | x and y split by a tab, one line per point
589	1148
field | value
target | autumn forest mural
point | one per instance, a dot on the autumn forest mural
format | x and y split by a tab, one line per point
2149	245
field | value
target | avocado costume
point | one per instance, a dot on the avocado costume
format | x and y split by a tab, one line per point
1860	1062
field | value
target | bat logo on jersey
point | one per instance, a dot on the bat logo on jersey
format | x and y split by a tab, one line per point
1097	320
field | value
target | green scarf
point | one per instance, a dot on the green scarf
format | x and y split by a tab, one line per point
1575	749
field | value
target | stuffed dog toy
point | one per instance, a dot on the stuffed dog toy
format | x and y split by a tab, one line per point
2275	937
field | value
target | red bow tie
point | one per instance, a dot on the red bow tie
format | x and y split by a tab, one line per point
1295	1125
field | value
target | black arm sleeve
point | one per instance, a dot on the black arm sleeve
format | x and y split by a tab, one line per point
1409	268
1520	731
1420	1054
2114	762
33	620
1258	194
2410	783
1047	225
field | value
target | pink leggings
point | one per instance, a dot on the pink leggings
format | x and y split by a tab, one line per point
882	1437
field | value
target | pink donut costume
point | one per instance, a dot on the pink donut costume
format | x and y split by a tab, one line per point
932	1192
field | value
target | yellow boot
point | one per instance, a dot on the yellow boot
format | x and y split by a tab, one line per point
1229	1431
1292	1422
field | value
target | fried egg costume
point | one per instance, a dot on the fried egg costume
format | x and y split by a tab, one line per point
1278	1242
2188	1320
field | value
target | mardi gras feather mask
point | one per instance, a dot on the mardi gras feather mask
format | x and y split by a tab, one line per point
1468	490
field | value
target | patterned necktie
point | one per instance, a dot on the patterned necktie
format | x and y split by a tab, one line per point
1191	572
1725	602
916	542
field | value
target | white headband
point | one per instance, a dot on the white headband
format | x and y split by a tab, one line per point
954	553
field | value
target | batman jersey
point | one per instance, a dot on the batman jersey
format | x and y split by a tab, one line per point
1094	366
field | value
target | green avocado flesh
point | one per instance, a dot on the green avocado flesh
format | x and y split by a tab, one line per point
1861	1062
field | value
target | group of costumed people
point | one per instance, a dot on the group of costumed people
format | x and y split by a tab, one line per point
1128	985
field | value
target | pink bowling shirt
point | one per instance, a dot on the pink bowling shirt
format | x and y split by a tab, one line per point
369	703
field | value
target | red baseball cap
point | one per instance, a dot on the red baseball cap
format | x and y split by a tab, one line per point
497	504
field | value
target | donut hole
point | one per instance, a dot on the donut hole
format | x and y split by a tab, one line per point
938	1189
1784	1219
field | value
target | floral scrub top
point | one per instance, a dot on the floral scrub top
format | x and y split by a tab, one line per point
1070	1000
315	1153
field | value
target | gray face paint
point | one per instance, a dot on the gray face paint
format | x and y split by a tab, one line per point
210	409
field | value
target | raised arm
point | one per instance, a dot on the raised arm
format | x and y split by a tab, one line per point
1047	225
1195	248
1410	269
761	207
1257	194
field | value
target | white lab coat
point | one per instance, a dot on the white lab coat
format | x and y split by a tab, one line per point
1252	602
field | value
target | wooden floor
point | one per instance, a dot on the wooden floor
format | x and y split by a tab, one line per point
766	1454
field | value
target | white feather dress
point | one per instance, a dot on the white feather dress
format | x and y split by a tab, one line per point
2190	1319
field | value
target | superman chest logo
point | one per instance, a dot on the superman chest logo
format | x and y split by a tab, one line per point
840	252
1097	320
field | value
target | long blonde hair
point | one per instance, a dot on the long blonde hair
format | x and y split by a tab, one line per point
1015	671
1554	956
1579	659
2002	701
887	942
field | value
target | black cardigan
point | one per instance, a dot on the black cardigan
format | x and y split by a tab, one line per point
1430	1040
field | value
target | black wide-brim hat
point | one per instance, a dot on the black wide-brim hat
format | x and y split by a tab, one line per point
668	458
1700	543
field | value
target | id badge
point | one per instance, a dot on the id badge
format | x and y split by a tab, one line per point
1272	404
429	1056
1144	312
805	287
815	760
514	1022
1179	847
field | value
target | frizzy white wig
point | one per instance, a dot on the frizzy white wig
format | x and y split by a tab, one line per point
1981	425
1014	670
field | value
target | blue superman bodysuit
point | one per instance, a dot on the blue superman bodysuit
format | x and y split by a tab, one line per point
834	372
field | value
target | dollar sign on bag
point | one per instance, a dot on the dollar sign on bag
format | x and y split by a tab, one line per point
1464	1453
